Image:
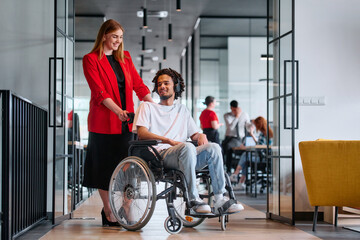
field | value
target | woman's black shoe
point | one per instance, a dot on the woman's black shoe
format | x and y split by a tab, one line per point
106	222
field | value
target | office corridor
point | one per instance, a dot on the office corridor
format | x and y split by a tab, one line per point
249	224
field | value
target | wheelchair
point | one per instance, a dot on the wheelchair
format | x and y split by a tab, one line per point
132	191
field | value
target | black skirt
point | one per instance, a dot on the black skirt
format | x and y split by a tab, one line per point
104	153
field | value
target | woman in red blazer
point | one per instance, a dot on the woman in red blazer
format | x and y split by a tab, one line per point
112	77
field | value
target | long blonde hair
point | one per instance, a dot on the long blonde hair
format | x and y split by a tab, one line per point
108	27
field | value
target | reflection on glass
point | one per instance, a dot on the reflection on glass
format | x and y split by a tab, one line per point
285	16
61	14
70	18
274	187
69	81
285	186
285	67
274	108
274	12
52	95
69	161
285	135
59	187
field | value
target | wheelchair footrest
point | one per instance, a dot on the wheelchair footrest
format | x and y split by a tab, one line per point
223	210
192	213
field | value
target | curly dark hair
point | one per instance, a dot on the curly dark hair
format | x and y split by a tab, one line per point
175	76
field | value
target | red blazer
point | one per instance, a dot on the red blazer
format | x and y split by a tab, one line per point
103	84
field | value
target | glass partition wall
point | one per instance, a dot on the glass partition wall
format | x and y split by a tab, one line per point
61	102
254	64
231	67
84	42
282	109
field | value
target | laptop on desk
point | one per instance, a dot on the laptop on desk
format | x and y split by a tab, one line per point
249	141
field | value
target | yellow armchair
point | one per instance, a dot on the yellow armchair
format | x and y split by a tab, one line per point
332	173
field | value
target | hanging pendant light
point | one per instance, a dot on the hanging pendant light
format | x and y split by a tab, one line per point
160	67
145	18
164	37
170	25
143	43
142	60
170	33
178	5
164	53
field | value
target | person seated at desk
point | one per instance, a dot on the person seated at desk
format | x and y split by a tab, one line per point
235	122
260	124
172	124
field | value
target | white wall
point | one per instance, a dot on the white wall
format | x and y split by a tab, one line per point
27	36
26	43
327	47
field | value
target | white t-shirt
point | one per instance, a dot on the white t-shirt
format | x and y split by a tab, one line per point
231	122
174	122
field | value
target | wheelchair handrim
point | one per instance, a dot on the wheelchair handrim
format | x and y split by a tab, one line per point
150	188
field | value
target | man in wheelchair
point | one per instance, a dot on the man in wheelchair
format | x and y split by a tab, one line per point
172	124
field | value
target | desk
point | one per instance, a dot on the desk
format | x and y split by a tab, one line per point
249	150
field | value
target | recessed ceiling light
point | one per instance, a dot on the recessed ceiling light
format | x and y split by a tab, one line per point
149	50
158	14
151	70
154	58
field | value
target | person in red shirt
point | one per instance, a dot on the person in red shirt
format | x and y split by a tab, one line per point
112	78
209	120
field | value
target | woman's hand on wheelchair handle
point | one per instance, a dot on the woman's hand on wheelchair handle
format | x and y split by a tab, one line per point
123	115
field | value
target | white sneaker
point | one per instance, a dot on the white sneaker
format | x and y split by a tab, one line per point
199	206
239	186
235	207
234	178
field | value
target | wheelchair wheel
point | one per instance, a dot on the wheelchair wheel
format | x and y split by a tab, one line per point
132	193
204	189
173	226
223	221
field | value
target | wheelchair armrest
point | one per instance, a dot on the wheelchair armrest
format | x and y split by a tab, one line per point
145	142
148	145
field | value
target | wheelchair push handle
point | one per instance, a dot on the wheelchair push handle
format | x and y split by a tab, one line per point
131	116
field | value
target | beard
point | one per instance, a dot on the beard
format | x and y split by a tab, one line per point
165	97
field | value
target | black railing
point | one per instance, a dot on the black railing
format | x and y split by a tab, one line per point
23	132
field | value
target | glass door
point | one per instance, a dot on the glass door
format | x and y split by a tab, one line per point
61	102
282	109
